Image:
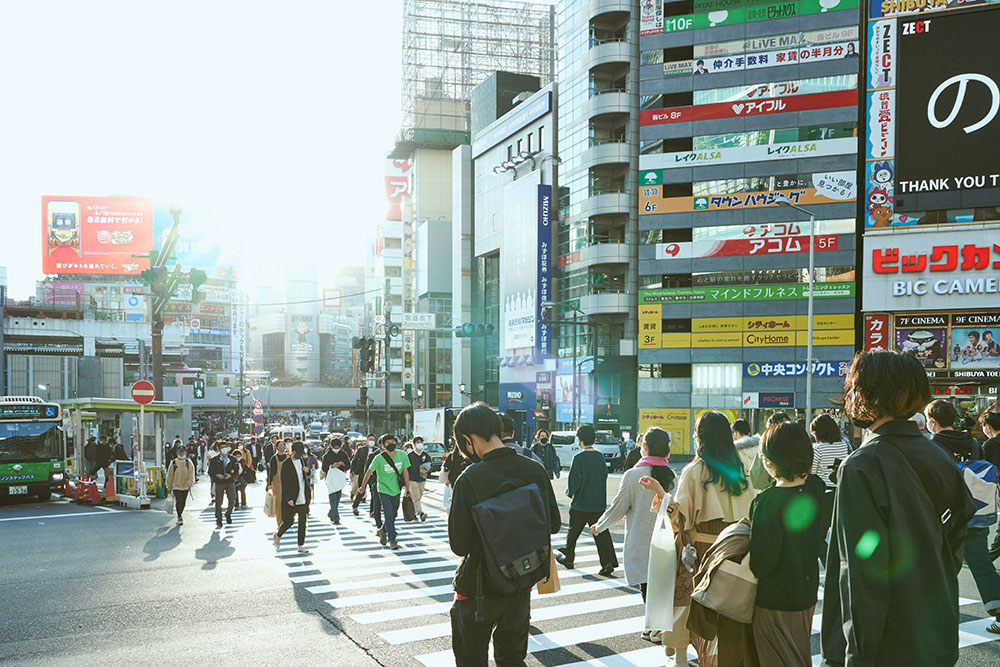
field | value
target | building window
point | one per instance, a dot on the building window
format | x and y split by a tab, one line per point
510	150
519	146
540	128
529	141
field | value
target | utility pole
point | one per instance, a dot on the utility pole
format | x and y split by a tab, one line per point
388	340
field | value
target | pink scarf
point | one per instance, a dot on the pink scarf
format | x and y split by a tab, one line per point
653	461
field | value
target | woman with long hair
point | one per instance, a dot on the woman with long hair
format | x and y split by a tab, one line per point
632	503
712	493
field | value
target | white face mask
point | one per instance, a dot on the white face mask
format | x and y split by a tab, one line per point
225	450
418	447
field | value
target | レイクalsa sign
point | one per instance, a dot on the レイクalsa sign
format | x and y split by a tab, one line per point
930	271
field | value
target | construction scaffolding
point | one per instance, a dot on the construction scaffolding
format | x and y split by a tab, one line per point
451	46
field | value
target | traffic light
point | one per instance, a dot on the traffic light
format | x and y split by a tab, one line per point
199	388
364	395
197	278
156	278
365	355
469	330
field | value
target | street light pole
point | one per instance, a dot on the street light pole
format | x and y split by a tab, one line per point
785	201
576	375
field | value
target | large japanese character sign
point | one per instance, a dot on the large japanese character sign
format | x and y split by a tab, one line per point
947	106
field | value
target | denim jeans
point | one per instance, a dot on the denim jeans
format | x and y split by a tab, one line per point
335	506
983	572
390	505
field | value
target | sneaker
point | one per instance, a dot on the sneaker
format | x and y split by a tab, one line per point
180	521
644	635
218	524
394	545
336	522
423	517
382	538
229	520
994	628
656	637
302	550
607	571
356	511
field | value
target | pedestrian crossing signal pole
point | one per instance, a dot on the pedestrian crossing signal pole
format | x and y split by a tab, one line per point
388	339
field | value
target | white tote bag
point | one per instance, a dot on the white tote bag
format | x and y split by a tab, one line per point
662	573
336	480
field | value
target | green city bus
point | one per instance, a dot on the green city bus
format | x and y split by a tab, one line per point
32	447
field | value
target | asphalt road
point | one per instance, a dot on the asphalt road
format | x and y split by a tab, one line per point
107	586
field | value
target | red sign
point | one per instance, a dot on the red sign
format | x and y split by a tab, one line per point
96	235
143	392
777	245
743	108
941	258
876	332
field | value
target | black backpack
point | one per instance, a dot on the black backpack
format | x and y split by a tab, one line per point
514	528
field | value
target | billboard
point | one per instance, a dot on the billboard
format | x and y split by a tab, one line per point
946	106
429	425
675	421
302	333
929	271
397	186
784	151
828	188
751	13
96	235
525	264
202	243
650	17
779	245
735	293
743	109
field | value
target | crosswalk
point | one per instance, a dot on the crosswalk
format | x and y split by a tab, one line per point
397	602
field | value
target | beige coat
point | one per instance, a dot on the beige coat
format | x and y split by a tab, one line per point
180	475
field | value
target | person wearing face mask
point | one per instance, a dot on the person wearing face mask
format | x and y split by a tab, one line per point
336	463
900	519
420	467
180	479
224	471
391	468
479	614
546	453
359	464
296	493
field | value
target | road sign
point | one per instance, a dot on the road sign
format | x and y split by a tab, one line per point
258	429
258	418
420	321
258	405
143	392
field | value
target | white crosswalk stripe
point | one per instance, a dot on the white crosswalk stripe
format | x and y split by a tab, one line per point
399	601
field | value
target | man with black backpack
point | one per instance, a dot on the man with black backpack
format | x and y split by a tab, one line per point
502	513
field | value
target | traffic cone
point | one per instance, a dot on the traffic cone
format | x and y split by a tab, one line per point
109	489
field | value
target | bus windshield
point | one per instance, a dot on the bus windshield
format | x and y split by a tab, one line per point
30	442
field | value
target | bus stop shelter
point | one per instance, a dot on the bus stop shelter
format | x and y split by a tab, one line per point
118	417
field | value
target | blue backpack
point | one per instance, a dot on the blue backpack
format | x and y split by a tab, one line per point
981	480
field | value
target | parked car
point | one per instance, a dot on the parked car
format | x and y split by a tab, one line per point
606	443
566	446
438	453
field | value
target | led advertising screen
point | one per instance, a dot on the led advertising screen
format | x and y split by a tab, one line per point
96	235
947	101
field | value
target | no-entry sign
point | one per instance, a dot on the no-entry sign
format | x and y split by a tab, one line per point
143	392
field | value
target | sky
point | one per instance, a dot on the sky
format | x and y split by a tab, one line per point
272	119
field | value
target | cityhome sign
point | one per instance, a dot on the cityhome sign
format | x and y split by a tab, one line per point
928	271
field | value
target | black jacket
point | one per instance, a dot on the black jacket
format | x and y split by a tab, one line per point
991	451
290	482
216	467
103	455
331	457
454	465
501	470
891	594
119	453
359	464
268	452
959	444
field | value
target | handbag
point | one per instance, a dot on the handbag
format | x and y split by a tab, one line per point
168	506
269	504
446	501
730	590
550	584
663	573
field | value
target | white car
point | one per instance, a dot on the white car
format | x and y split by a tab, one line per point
566	446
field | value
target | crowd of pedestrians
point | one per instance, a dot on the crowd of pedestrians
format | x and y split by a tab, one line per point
884	519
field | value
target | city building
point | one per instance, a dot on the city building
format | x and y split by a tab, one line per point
929	209
743	103
595	251
502	241
449	48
